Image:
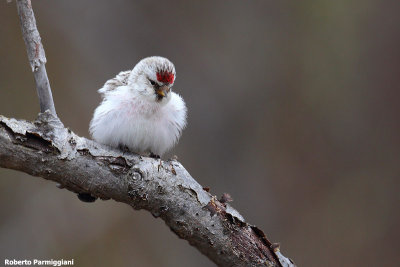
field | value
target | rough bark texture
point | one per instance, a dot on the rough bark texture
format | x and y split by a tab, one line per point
36	55
47	149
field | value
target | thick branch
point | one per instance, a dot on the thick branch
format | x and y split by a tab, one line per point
36	55
45	148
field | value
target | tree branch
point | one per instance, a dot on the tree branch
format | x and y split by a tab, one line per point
45	148
36	55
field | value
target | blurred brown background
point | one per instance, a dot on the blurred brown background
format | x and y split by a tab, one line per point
293	110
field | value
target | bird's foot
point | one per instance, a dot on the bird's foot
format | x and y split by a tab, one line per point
154	156
124	148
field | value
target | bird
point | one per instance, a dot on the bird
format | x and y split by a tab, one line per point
139	111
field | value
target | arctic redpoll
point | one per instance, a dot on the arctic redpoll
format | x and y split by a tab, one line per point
139	110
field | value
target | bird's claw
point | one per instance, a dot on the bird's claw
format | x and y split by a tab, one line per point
154	156
159	166
124	149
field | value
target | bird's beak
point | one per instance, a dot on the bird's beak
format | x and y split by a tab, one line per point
162	91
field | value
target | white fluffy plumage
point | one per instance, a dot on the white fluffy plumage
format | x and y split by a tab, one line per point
139	111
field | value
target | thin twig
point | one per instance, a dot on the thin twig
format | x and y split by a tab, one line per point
36	55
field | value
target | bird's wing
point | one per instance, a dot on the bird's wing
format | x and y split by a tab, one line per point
119	80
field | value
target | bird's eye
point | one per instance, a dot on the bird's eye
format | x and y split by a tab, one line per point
152	82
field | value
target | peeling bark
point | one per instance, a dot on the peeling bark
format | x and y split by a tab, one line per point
47	149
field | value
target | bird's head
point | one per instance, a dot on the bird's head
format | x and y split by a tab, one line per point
153	78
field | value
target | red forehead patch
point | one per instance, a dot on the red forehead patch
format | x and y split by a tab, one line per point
165	77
